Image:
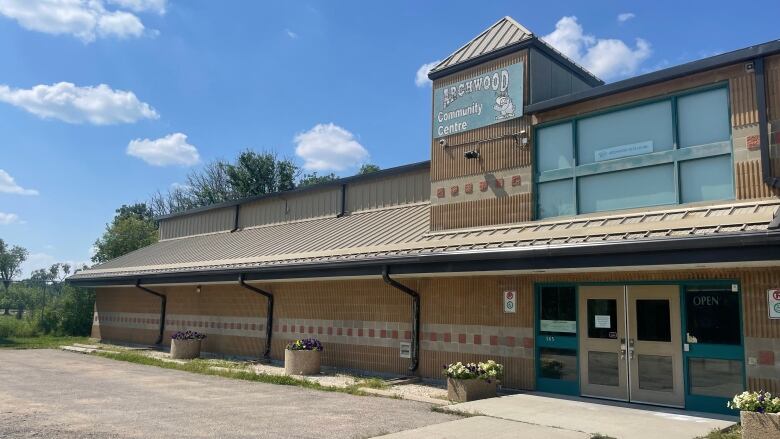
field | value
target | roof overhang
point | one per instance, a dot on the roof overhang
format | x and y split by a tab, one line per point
730	248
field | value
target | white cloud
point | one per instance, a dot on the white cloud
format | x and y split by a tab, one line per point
156	6
83	19
329	147
606	58
625	16
172	149
9	186
421	77
99	105
8	218
291	34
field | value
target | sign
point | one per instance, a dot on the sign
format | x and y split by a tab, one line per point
773	301
491	97
602	322
558	326
510	301
617	152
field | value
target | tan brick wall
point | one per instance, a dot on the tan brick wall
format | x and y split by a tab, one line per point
362	322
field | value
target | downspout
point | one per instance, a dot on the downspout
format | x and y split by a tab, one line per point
163	301
763	125
343	201
415	316
235	218
269	315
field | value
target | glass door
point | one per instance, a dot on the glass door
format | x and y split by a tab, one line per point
603	349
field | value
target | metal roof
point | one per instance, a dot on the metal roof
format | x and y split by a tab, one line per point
403	232
713	62
504	32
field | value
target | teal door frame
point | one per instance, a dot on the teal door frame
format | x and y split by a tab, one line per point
697	350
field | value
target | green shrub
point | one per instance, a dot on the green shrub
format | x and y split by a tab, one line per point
10	326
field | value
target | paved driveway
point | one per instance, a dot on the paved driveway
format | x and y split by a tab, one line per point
49	393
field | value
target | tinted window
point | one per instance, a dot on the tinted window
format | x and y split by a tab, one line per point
557	311
712	315
652	320
558	364
602	318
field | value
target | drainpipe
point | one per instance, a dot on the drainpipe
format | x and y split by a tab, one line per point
343	201
415	316
763	125
269	317
163	301
235	218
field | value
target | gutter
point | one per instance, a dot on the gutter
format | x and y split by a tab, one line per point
163	302
415	315
763	124
269	314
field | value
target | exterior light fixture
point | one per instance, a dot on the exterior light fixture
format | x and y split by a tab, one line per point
473	154
443	143
197	289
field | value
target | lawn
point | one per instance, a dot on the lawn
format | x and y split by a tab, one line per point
42	342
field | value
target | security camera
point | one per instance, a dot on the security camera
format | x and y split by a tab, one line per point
442	142
473	154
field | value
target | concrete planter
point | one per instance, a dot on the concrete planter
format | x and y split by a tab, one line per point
470	390
760	425
301	362
185	349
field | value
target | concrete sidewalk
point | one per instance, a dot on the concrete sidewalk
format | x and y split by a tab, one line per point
536	415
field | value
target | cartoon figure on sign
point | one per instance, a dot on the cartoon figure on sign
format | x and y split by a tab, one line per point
505	106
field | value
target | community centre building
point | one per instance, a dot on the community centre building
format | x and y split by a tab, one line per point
616	241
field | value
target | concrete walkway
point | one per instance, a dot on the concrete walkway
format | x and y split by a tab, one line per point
535	415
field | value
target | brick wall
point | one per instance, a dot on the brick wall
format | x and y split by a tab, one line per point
363	322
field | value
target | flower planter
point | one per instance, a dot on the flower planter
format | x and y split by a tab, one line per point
301	362
185	349
759	425
471	389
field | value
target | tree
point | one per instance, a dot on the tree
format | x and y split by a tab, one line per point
133	227
314	178
11	259
368	168
263	173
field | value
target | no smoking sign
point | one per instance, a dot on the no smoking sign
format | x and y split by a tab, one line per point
510	301
773	302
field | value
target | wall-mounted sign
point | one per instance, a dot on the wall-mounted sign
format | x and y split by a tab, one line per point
773	301
491	97
558	326
510	301
620	151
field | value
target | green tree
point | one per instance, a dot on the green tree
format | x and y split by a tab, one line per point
368	168
133	227
11	259
260	173
314	178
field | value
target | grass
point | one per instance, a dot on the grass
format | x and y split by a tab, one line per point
41	342
733	432
205	367
373	383
601	436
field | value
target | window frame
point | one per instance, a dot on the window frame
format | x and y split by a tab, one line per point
675	156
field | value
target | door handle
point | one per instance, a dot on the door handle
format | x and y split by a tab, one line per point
630	348
622	348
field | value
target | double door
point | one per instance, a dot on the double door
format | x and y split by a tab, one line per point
630	344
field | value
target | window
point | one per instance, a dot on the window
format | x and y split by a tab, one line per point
557	311
558	364
602	318
714	377
712	316
677	150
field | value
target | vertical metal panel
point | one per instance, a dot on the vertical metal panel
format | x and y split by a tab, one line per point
503	33
477	213
743	100
502	153
548	79
388	191
772	75
210	221
291	207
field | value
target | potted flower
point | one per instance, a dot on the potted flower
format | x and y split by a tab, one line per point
759	414
302	357
186	344
469	382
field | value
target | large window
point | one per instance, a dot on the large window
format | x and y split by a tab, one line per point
677	150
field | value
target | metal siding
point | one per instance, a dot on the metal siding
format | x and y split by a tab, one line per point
772	75
498	154
501	34
550	80
211	221
744	110
388	191
291	207
477	213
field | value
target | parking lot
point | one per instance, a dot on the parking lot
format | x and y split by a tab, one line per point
49	393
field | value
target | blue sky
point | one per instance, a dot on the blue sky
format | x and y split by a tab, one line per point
102	102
